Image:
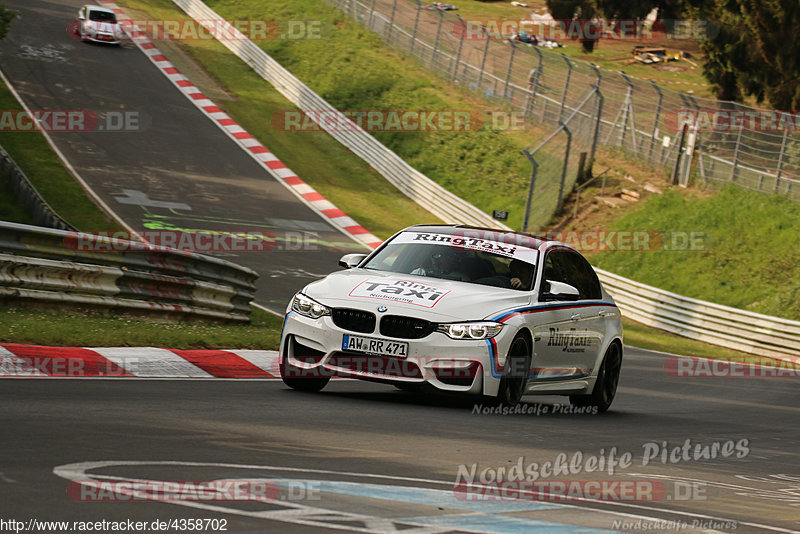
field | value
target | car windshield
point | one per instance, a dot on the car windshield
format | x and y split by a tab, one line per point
489	262
102	16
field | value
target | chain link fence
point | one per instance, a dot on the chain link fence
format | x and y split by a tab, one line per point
703	140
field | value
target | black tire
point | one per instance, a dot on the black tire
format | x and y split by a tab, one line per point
605	388
302	379
515	378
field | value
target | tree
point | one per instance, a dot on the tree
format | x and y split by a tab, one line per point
6	16
755	50
564	10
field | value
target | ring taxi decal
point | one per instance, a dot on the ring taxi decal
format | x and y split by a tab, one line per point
466	241
410	292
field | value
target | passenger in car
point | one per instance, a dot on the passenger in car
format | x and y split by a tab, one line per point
520	274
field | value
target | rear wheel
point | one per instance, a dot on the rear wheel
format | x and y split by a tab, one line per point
515	378
303	379
605	388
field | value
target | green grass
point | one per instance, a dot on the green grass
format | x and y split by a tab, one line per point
749	255
9	209
639	335
71	328
44	169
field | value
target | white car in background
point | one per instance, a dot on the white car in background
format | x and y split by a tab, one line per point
99	24
460	309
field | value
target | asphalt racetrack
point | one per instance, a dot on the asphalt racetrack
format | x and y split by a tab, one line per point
175	169
675	454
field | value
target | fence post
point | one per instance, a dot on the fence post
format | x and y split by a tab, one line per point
463	24
508	71
416	25
736	153
676	167
654	135
436	39
596	133
533	83
566	86
598	114
629	114
483	60
371	14
781	157
391	23
534	169
564	167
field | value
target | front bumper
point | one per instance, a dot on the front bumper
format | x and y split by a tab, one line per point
314	348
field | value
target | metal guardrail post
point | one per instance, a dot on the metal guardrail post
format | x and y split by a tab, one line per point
676	167
654	134
510	67
485	53
416	26
533	84
598	115
436	39
566	86
371	14
782	155
736	154
391	22
629	115
529	203
461	38
564	167
596	133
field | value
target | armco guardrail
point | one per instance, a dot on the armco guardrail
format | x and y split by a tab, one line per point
57	266
411	182
29	198
705	321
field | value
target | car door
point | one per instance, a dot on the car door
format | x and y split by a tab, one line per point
568	332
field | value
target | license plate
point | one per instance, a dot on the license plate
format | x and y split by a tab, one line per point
371	345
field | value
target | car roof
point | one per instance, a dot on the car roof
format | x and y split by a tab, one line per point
98	8
525	239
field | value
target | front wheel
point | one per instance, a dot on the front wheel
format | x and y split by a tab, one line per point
605	388
302	379
515	378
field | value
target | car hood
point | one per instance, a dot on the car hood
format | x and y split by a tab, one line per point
433	299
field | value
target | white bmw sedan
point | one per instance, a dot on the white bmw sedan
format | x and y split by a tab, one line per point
460	309
99	24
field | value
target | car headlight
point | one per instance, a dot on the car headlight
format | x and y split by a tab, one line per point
481	330
309	307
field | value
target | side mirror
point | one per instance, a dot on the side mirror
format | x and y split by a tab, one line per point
560	291
81	16
348	261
